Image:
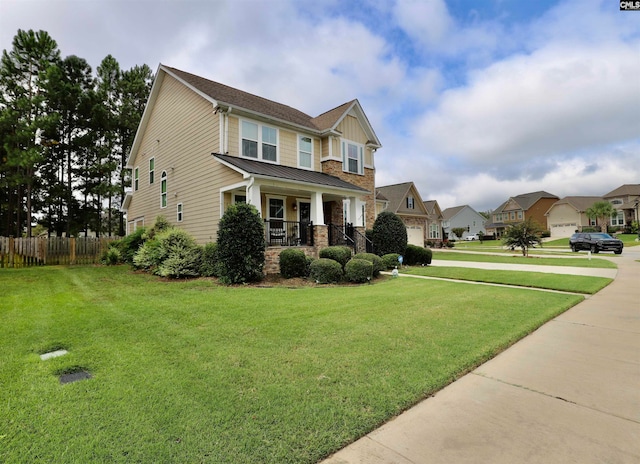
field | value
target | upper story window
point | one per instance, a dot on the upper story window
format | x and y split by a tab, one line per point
136	179
179	212
520	215
616	201
163	190
152	167
259	142
410	202
352	157
305	152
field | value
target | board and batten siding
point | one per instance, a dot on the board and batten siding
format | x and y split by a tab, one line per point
181	134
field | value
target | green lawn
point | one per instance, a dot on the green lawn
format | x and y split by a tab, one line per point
562	282
193	372
536	260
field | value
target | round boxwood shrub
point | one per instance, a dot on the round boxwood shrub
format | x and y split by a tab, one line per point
341	254
415	255
390	260
293	263
389	234
325	271
358	270
378	264
241	245
209	264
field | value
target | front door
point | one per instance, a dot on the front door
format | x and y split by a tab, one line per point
305	219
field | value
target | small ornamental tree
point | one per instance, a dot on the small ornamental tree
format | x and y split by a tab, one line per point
459	232
524	235
241	245
601	211
389	234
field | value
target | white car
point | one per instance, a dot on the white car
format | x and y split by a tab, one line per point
470	238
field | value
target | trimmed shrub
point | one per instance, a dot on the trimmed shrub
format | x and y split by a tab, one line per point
149	255
358	270
241	245
129	245
389	234
182	262
325	271
209	263
378	264
293	263
111	256
390	260
341	254
417	255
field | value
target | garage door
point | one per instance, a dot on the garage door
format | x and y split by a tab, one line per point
415	235
563	230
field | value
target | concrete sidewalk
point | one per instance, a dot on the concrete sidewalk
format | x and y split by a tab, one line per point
583	271
569	392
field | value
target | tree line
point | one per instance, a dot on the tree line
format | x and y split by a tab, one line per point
65	134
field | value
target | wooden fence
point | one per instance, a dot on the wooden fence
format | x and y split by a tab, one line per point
39	251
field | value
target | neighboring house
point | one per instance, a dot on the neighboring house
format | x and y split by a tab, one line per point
568	215
462	216
434	222
626	200
202	146
518	209
404	200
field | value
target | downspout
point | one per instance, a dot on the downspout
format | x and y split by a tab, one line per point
226	130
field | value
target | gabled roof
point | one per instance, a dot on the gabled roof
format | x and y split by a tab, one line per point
580	204
624	190
448	213
396	194
223	97
433	209
526	200
275	171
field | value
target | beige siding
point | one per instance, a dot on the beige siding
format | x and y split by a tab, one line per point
181	135
352	130
288	148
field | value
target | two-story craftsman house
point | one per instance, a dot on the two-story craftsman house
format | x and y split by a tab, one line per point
202	146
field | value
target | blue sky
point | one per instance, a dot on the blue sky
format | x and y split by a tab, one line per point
474	101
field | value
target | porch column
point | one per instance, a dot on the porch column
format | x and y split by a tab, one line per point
254	197
317	211
353	210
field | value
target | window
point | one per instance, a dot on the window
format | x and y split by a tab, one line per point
410	202
434	231
305	152
352	157
519	214
259	142
152	166
179	212
163	190
276	208
239	199
617	219
136	179
513	216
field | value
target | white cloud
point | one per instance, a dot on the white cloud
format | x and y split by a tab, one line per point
427	21
556	100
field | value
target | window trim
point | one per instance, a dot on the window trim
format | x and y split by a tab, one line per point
163	190
136	179
284	207
345	156
179	212
300	151
152	169
410	202
260	141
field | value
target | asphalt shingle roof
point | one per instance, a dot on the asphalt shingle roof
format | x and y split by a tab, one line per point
276	171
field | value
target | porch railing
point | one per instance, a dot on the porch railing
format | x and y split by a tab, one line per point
348	235
288	233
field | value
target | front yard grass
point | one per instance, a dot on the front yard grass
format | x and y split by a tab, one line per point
536	260
561	282
189	371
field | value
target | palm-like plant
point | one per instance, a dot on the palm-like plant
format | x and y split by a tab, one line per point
601	211
524	235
